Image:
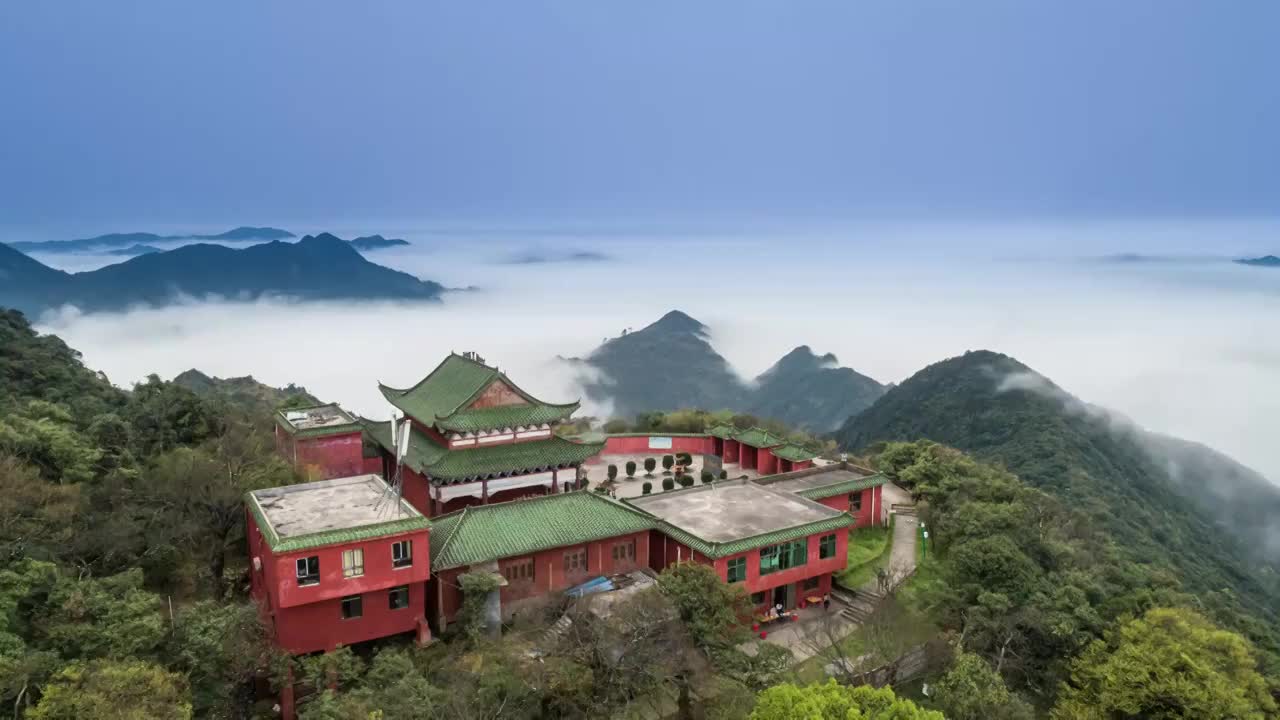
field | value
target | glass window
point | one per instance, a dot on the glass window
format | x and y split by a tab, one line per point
757	599
352	607
624	552
787	555
827	547
519	571
575	562
737	570
308	569
402	554
352	563
810	584
855	501
399	597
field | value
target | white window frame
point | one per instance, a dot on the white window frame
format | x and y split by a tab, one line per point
406	558
304	564
353	563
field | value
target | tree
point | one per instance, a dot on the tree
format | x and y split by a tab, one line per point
613	472
709	607
393	688
219	646
649	465
833	701
667	463
44	435
615	426
1169	663
112	617
631	468
685	459
973	690
201	490
114	690
668	483
646	488
164	416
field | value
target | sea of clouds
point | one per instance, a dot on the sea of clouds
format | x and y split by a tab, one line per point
1184	343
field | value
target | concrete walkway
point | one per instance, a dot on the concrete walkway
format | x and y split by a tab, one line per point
902	556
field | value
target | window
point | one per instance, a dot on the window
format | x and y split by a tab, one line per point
757	599
402	554
737	570
624	552
810	584
575	562
308	569
827	547
399	597
518	572
855	501
352	563
352	607
786	555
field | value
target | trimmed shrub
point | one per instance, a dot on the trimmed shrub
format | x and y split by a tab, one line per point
631	468
649	465
686	480
667	462
684	459
646	488
668	483
707	477
724	474
613	472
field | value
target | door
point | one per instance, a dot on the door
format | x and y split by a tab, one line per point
782	595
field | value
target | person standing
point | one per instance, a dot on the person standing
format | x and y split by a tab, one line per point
826	602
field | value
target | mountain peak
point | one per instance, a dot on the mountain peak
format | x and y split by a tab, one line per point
804	357
677	322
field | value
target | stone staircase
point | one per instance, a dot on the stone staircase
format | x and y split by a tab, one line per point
858	605
899	509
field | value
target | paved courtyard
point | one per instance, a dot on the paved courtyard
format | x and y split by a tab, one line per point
632	487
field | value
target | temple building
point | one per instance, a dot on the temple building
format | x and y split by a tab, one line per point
337	562
782	547
475	437
321	442
757	449
841	486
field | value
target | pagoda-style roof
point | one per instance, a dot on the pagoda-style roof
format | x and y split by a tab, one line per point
443	399
724	431
793	452
445	466
482	533
759	438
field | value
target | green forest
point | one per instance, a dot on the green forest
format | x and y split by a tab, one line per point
124	595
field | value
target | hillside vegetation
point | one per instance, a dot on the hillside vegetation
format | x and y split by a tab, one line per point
1166	503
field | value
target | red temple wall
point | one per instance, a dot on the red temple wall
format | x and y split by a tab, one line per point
320	625
378	572
549	573
871	511
639	445
329	456
766	462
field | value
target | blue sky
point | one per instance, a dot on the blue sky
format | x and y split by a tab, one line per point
132	113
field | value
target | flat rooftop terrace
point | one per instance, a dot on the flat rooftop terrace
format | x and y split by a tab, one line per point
317	418
727	511
819	478
328	505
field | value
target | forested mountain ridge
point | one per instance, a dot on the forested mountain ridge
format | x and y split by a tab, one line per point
999	409
120	240
245	392
320	267
672	364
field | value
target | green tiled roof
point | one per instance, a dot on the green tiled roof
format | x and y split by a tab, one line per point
723	431
793	452
329	537
505	416
656	434
841	488
441	398
481	533
758	438
439	463
733	547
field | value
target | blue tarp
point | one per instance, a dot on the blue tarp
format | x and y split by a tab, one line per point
595	585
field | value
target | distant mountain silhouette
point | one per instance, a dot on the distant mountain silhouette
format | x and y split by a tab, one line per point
671	364
1266	261
135	250
124	240
376	242
576	256
314	268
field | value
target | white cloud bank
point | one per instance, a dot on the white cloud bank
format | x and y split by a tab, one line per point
1187	349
